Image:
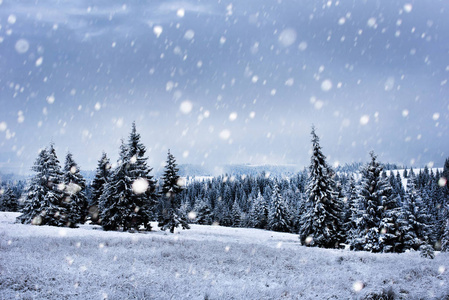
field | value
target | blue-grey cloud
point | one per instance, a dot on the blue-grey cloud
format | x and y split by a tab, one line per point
255	75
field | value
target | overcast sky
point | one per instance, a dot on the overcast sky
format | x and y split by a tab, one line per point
223	82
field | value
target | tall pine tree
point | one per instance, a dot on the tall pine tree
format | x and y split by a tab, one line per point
129	198
414	219
45	194
321	223
75	198
375	223
102	176
170	217
445	236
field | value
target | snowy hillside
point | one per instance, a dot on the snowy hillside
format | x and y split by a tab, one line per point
211	262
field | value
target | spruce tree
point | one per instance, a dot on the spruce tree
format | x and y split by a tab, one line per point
259	212
445	181
414	220
351	205
128	199
203	212
143	188
75	198
236	213
374	222
102	176
8	200
45	194
389	223
445	238
321	222
170	217
279	217
222	213
113	202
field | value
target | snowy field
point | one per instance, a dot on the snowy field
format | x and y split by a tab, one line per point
205	262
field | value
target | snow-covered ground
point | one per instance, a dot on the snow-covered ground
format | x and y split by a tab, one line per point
43	262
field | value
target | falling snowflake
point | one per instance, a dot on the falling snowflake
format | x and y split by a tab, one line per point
358	286
180	12
140	186
364	119
39	61
287	37
232	116
225	134
157	30
408	7
326	85
189	34
186	107
51	99
12	19
371	22
302	46
289	82
22	46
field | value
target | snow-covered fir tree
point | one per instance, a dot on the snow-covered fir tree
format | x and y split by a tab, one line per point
236	213
321	223
102	176
351	204
8	200
43	203
389	224
445	236
203	212
375	223
128	199
170	218
114	201
414	221
222	213
258	216
445	181
75	199
279	217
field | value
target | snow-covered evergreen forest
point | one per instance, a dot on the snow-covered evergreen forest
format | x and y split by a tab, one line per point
370	209
221	149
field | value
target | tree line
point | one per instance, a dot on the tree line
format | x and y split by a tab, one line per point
124	198
369	210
